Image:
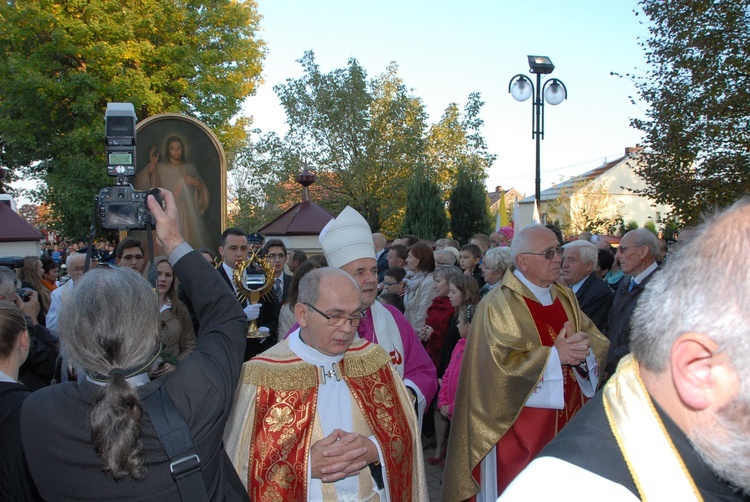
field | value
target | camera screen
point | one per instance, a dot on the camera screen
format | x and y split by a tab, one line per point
120	158
121	215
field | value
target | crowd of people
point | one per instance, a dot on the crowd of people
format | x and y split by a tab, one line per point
526	365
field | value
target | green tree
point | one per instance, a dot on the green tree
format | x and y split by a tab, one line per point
651	227
699	104
62	62
456	142
364	138
468	207
425	210
630	225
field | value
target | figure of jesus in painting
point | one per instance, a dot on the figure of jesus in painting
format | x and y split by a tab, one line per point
180	177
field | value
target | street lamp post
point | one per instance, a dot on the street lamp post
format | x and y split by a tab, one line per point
554	91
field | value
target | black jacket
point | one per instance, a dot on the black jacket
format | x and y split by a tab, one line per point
595	299
618	323
57	442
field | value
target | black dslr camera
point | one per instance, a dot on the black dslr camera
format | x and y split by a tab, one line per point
121	207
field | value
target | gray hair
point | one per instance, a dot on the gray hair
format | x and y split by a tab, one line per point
309	285
705	289
644	237
110	320
445	252
497	258
75	256
8	283
521	242
587	251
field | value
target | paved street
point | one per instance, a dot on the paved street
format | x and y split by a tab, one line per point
434	476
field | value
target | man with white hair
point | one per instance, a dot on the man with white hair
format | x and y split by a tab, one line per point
637	257
579	272
534	362
672	422
347	244
74	264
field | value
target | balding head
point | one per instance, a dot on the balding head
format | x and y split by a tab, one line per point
328	296
638	250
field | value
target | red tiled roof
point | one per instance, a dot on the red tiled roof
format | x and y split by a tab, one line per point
13	228
305	218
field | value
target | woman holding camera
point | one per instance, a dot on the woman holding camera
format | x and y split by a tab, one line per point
31	275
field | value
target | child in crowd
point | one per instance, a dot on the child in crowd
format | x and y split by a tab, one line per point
440	319
439	315
462	291
447	393
392	299
393	281
470	258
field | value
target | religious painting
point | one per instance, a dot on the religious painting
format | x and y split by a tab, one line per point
183	155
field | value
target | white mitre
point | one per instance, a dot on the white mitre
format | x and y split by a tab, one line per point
347	238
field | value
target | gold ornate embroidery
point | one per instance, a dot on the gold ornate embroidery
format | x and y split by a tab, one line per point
281	475
397	449
381	395
365	362
279	417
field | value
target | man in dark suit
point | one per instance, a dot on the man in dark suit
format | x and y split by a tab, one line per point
637	256
274	250
233	248
579	272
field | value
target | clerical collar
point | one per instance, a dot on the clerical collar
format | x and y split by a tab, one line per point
543	295
327	364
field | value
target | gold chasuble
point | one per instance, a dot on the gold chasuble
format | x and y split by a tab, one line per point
506	354
275	422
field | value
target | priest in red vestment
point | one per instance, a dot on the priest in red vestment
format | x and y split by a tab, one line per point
324	415
532	359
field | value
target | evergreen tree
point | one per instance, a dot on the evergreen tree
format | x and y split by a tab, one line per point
470	212
425	210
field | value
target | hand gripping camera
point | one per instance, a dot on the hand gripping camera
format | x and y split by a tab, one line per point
121	207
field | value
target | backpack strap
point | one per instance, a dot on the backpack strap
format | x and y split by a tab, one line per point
173	433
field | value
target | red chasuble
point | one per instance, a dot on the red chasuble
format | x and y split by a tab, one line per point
283	422
535	427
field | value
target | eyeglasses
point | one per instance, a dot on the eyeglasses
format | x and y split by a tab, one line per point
338	320
275	256
550	253
132	257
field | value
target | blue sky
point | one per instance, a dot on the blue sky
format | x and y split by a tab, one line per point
446	50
